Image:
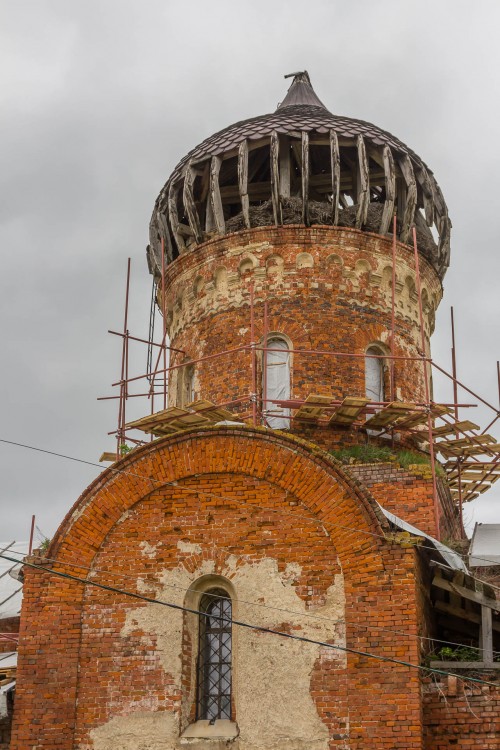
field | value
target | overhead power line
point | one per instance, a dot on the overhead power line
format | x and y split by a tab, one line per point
174	483
251	626
311	615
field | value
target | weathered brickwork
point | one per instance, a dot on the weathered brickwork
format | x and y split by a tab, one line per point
327	288
286	527
410	495
462	715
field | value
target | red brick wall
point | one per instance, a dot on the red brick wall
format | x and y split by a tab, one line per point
342	302
255	494
462	715
409	494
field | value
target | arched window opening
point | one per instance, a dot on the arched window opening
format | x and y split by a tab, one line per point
276	383
185	385
214	656
374	375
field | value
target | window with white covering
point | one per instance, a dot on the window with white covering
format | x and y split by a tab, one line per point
276	382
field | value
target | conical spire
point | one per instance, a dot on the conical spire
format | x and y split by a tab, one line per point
301	92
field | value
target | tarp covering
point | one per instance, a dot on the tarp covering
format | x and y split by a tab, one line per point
10	589
449	556
278	383
485	545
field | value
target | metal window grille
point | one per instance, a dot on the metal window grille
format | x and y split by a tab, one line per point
214	656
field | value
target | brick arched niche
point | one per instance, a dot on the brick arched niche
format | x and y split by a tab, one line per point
300	543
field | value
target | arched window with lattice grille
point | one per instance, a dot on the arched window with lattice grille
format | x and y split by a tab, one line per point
214	656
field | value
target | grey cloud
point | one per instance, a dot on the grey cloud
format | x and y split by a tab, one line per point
99	102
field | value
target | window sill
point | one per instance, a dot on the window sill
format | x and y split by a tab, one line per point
221	729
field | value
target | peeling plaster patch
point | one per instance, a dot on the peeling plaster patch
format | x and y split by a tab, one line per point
273	702
274	707
292	572
148	550
188	547
140	731
164	622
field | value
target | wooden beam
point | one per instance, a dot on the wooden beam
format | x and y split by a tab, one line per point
189	203
444	229
410	198
173	217
362	184
463	665
487	635
473	596
305	178
215	199
335	170
275	176
390	191
284	166
427	192
165	233
243	181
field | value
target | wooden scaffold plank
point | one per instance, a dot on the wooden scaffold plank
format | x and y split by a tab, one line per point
211	411
389	415
348	411
312	408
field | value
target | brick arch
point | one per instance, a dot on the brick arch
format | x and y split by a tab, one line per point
320	483
377	577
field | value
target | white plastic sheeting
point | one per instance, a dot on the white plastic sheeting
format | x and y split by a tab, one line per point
374	375
449	556
11	590
485	545
277	383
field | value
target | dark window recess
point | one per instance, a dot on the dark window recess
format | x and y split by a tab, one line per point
214	656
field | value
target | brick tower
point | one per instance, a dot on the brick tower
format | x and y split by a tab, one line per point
231	583
277	235
298	206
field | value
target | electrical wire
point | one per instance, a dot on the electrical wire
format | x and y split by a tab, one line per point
368	626
174	483
251	626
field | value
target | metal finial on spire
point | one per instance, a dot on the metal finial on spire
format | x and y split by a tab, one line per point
301	92
302	75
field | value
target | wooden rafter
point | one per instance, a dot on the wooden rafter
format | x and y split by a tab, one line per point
305	177
189	202
275	186
243	181
215	197
362	184
390	191
335	174
411	197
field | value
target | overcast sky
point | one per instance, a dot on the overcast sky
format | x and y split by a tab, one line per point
99	101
